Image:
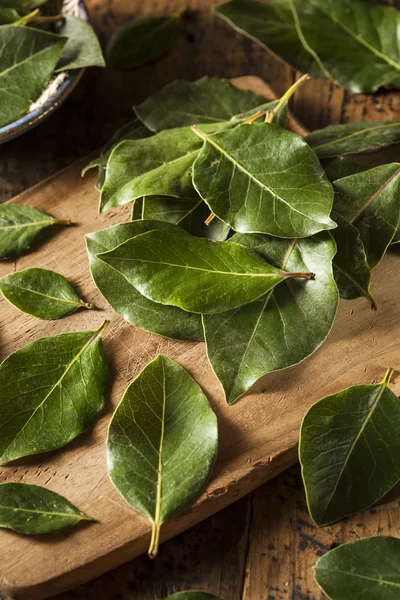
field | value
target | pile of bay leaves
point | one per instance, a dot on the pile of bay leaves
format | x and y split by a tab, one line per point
37	42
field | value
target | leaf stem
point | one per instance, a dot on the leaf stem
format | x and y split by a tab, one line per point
252	118
301	275
155	540
388	376
210	218
286	97
62	222
50	19
102	327
27	18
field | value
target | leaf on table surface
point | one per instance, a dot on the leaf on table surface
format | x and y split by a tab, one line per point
353	138
364	569
82	48
350	450
190	215
141	41
371	202
283	327
261	178
193	273
208	100
32	509
29	56
338	167
41	293
124	298
51	390
21	226
162	443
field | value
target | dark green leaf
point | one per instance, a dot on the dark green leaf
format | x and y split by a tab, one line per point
21	226
51	390
168	321
28	56
22	6
82	48
261	178
283	327
208	100
189	215
32	509
140	41
192	596
366	569
339	167
194	273
8	15
162	443
350	450
371	202
41	293
353	138
137	209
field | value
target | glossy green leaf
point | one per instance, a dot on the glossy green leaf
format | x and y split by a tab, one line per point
261	178
41	293
365	569
350	450
51	390
28	56
371	202
124	298
281	328
350	265
353	138
208	100
21	226
195	274
192	596
82	48
141	41
162	443
338	167
32	509
191	216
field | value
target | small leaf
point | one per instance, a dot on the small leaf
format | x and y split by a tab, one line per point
283	327
124	298
41	293
27	55
194	273
162	443
192	596
51	390
365	569
208	100
261	178
350	450
353	138
32	509
21	226
82	48
141	41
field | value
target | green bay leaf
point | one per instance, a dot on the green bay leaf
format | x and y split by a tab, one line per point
162	443
51	390
193	273
82	48
32	509
28	59
192	596
21	226
8	16
124	298
283	327
338	167
364	569
41	293
350	450
261	178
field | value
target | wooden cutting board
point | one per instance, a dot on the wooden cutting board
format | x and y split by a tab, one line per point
258	434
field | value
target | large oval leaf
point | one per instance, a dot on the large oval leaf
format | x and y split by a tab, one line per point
283	327
51	390
29	56
32	509
21	226
41	293
366	569
162	443
261	178
350	450
194	273
124	298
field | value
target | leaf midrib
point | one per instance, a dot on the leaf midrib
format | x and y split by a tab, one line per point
157	517
30	291
370	200
356	133
380	581
30	57
28	224
42	512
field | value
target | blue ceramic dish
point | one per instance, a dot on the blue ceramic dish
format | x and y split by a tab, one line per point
63	84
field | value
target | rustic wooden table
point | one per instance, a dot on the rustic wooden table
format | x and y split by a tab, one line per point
262	547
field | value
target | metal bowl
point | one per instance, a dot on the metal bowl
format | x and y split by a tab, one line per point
58	89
